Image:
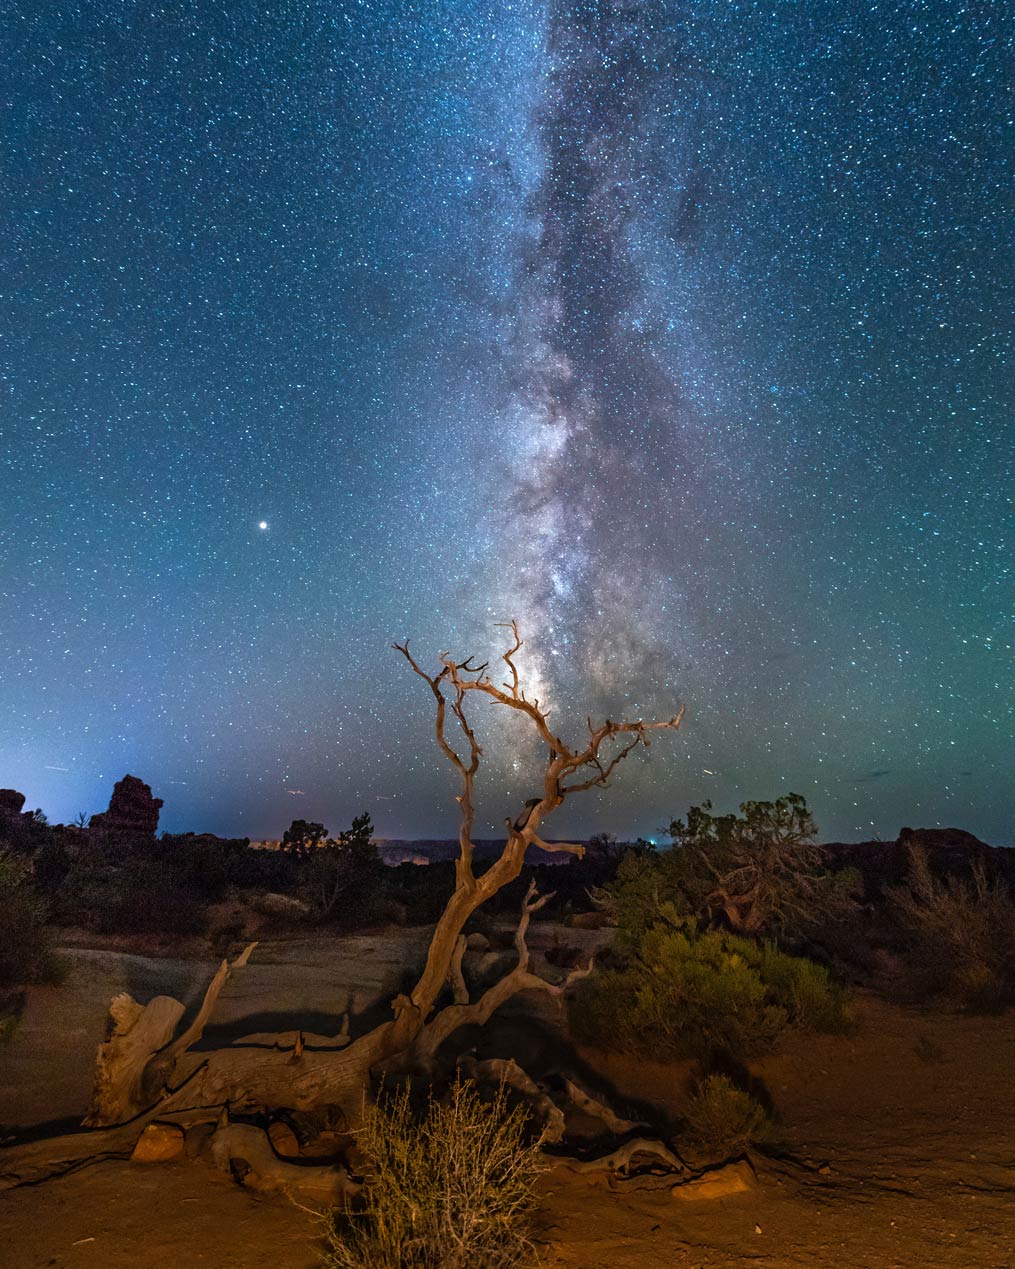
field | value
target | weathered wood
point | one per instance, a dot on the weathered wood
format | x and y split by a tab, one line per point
507	1071
247	1153
590	1105
36	1161
140	1057
623	1159
138	1033
464	1013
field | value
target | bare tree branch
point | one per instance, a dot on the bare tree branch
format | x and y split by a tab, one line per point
568	848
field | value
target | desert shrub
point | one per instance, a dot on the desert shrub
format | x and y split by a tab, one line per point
146	896
421	889
342	879
25	953
199	867
645	882
961	934
450	1188
248	869
685	991
51	864
724	1120
282	910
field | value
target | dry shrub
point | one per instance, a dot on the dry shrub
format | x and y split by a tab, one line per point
962	934
281	910
25	953
451	1188
724	1120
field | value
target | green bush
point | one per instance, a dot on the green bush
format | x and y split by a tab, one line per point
450	1189
723	1120
688	992
25	954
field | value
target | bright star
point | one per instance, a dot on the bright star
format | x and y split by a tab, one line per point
262	524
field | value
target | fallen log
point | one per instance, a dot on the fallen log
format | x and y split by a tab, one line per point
139	1058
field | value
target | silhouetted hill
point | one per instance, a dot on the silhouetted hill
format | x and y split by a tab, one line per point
951	852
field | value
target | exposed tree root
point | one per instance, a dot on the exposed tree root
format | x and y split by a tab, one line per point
590	1105
623	1159
507	1071
245	1151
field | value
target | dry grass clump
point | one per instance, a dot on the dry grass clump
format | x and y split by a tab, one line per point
451	1188
962	934
724	1120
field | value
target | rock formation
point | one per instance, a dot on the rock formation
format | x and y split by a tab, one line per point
11	804
133	813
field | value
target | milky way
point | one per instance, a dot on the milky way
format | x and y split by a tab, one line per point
597	418
680	332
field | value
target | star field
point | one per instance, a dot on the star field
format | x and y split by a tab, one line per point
680	332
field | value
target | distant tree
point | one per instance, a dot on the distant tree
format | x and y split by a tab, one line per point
602	845
346	868
597	868
759	871
303	836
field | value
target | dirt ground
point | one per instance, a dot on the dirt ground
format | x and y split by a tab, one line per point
913	1114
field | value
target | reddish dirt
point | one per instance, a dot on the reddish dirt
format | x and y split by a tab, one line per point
914	1114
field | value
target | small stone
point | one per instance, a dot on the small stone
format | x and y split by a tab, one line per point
285	1141
824	1170
734	1178
477	942
158	1144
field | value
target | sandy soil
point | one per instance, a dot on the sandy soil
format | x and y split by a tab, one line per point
914	1114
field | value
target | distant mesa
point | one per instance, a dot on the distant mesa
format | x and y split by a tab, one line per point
951	852
940	839
133	812
170	840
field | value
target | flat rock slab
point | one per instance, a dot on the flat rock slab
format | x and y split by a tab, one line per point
291	985
309	984
47	1069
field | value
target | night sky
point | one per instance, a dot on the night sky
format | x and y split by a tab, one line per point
681	332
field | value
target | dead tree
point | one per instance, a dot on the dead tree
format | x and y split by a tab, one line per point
138	1087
